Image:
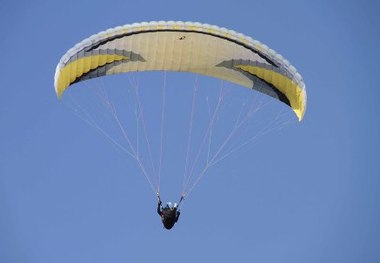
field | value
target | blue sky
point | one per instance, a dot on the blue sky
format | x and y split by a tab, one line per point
309	193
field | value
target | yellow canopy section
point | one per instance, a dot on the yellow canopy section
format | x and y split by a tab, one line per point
81	66
295	94
184	46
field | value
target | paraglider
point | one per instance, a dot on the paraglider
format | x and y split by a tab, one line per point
170	213
183	47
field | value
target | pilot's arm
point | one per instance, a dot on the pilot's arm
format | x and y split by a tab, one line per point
159	208
178	213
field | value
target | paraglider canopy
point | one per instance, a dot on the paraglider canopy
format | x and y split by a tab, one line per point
188	47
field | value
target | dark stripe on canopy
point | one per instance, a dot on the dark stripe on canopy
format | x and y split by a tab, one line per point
259	84
99	71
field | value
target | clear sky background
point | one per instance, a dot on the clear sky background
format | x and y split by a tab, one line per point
309	193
